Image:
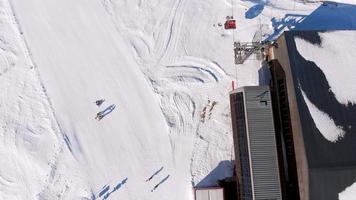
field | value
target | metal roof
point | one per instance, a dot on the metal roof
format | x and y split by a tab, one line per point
332	166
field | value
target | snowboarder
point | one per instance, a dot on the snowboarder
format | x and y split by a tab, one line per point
99	102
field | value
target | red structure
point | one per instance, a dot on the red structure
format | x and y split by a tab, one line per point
230	24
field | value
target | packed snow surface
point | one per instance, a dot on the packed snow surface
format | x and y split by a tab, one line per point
323	122
339	68
164	68
349	193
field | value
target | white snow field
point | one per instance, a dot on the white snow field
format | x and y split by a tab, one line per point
165	65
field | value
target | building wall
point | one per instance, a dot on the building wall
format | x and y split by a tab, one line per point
284	133
280	53
242	159
331	166
209	194
262	142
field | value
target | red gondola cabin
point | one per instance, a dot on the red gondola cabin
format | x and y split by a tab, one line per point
230	24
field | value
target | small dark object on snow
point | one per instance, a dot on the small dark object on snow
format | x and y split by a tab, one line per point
156	186
149	179
229	17
99	116
154	174
219	24
99	102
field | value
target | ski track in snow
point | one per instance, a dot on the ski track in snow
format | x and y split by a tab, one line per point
175	21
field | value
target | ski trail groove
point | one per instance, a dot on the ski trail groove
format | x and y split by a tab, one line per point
174	32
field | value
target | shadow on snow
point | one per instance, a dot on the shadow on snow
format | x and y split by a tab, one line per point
223	170
328	16
105	191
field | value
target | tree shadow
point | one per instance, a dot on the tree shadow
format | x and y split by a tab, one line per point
223	170
328	16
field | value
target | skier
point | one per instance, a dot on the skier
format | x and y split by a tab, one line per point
156	186
99	102
150	178
154	174
99	116
162	181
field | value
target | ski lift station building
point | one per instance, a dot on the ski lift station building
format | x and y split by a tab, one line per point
306	149
312	85
257	169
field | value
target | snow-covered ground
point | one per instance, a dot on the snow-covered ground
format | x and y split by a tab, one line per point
167	67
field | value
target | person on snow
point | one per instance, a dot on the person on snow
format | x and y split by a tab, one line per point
149	178
156	186
99	102
99	116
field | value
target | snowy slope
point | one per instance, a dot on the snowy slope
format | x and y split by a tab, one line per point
165	64
28	132
79	64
